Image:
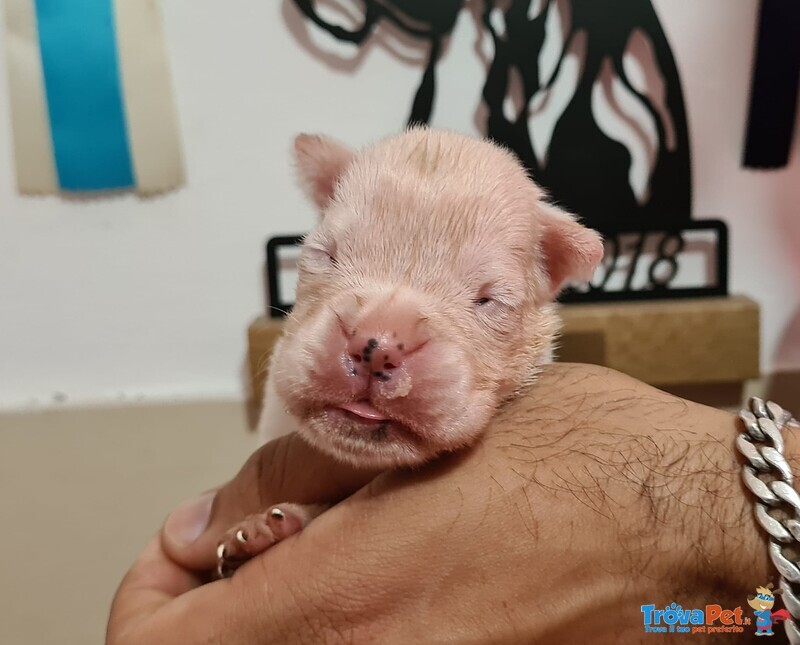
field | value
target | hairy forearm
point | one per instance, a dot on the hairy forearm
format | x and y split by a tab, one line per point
662	479
724	549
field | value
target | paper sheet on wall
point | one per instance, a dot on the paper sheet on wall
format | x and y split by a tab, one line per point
91	96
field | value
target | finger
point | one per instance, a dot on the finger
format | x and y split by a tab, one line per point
285	470
152	582
160	602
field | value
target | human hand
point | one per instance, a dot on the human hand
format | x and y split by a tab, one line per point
590	495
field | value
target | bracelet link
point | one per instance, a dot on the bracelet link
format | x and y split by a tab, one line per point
762	446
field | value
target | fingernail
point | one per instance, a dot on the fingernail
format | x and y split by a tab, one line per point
187	522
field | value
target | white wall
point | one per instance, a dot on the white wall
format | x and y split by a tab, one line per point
124	298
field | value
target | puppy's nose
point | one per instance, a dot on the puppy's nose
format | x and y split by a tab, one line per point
381	337
379	353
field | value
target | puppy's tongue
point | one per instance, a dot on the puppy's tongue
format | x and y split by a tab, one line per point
364	410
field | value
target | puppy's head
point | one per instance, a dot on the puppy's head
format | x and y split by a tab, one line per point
425	293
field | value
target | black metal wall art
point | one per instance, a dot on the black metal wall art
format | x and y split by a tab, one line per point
585	168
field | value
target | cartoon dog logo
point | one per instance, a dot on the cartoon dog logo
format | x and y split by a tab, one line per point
762	604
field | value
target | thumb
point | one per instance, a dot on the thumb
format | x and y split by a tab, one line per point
285	470
184	528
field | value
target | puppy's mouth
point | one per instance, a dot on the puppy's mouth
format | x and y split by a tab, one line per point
364	410
358	432
362	421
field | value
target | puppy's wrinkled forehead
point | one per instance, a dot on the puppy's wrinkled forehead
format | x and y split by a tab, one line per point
423	197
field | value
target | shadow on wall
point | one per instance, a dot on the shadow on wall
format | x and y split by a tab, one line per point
405	48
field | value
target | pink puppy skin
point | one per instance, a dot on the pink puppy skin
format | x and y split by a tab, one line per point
425	296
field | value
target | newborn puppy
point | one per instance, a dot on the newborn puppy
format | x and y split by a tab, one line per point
424	301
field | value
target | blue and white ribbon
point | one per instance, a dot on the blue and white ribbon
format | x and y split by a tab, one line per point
91	96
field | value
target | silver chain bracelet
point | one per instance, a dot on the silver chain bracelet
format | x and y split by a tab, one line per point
768	475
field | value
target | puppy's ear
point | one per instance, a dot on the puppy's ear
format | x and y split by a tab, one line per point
571	251
320	163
